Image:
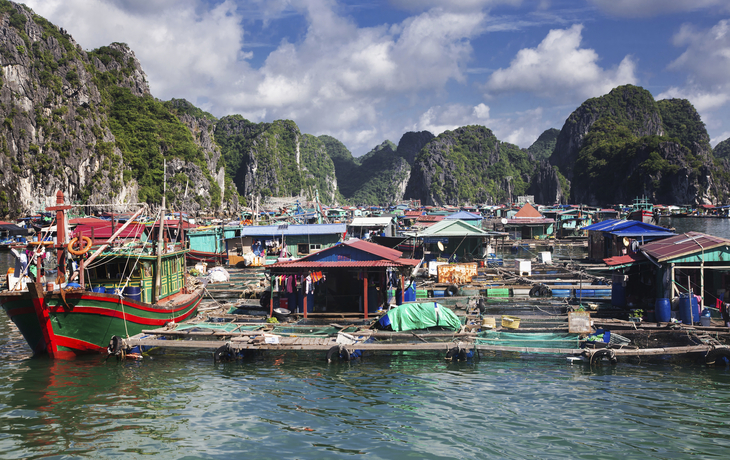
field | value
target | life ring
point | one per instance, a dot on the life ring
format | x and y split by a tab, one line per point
84	249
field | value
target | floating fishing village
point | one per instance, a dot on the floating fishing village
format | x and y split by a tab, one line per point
593	285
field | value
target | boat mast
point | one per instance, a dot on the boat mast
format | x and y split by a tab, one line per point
61	242
160	242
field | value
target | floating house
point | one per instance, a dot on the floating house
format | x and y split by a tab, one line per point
690	263
615	237
362	227
468	217
528	223
341	279
459	240
284	240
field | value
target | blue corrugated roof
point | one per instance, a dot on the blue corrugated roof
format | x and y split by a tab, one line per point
465	215
278	230
631	228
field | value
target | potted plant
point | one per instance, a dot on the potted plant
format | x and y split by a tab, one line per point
636	315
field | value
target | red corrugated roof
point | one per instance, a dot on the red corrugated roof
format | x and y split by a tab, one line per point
412	213
349	264
105	232
527	211
682	245
375	249
621	260
93	221
432	219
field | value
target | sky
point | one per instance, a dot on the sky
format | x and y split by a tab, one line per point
369	71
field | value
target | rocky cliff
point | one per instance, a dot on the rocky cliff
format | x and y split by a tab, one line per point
469	165
625	144
69	123
275	159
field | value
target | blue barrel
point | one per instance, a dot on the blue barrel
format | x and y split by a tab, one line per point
663	310
410	294
133	293
618	295
111	290
438	292
689	311
98	289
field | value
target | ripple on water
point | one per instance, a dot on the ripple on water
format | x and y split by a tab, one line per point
296	406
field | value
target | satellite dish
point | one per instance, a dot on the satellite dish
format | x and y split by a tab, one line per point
626	241
504	221
634	246
441	246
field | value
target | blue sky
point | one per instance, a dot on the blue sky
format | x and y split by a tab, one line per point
367	71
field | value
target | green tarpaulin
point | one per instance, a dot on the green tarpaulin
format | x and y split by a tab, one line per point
412	316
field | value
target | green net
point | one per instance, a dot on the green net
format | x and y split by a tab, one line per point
528	340
224	327
309	331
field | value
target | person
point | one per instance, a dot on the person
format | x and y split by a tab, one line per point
21	261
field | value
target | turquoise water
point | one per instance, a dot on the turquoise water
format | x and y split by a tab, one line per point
289	405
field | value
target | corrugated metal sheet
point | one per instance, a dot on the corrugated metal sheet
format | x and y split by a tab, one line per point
371	221
623	260
456	273
683	245
348	264
351	253
630	228
287	230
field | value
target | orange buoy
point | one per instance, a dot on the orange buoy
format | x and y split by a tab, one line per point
84	248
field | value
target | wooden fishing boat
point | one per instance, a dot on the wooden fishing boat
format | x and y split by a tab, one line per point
130	288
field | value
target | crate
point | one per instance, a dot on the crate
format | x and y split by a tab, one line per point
579	322
510	322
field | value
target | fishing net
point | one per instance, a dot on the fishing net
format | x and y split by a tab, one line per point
528	340
224	327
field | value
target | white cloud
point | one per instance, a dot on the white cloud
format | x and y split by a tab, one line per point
424	5
336	78
560	69
520	128
649	8
707	57
706	63
719	138
180	44
448	117
702	101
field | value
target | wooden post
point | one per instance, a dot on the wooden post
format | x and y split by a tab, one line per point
304	299
60	209
365	294
271	300
402	289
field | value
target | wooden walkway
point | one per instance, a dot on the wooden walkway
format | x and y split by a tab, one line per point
369	340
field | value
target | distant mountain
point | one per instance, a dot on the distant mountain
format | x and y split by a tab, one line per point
722	149
469	165
622	145
380	176
543	147
275	159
